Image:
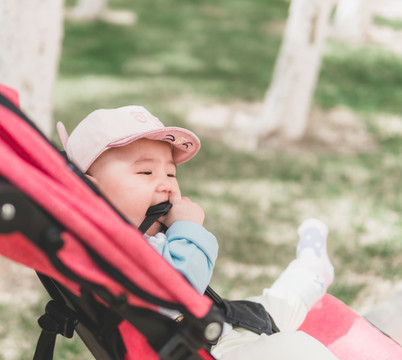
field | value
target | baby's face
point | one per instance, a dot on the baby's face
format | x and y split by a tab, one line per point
135	177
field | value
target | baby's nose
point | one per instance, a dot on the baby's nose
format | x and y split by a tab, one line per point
164	185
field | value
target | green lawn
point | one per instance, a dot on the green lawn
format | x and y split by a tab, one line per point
185	52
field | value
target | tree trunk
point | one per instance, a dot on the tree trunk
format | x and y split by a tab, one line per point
30	39
288	99
352	19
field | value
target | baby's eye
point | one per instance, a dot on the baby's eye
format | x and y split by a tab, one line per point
145	172
171	175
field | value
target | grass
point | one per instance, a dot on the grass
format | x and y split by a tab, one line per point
363	79
395	24
185	52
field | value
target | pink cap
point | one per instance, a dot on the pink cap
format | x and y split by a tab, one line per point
107	128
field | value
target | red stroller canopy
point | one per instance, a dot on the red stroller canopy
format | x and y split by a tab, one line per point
93	243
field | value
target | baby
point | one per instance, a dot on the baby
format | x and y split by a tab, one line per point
131	157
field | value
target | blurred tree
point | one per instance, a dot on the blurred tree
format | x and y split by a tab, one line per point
30	39
352	19
287	102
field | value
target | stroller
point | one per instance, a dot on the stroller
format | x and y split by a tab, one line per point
96	266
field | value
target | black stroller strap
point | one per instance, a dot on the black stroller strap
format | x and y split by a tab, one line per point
153	214
45	346
246	314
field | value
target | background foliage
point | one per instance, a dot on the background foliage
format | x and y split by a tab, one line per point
182	53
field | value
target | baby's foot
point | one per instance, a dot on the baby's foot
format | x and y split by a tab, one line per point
312	251
313	234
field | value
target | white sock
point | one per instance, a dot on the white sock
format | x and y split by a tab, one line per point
310	274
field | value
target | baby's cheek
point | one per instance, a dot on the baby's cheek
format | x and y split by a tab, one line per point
176	188
136	210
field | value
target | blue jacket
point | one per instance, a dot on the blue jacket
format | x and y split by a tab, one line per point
190	249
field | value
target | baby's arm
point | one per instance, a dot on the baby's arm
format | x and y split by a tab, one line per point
188	246
190	249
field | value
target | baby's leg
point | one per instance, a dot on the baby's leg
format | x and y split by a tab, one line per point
304	281
293	345
310	274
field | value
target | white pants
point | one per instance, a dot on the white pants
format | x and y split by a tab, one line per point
288	312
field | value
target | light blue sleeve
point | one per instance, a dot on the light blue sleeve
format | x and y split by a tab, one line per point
192	250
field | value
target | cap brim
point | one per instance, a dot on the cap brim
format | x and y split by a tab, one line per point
185	143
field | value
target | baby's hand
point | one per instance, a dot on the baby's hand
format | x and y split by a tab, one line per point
183	209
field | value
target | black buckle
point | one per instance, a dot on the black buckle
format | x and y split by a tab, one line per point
58	319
